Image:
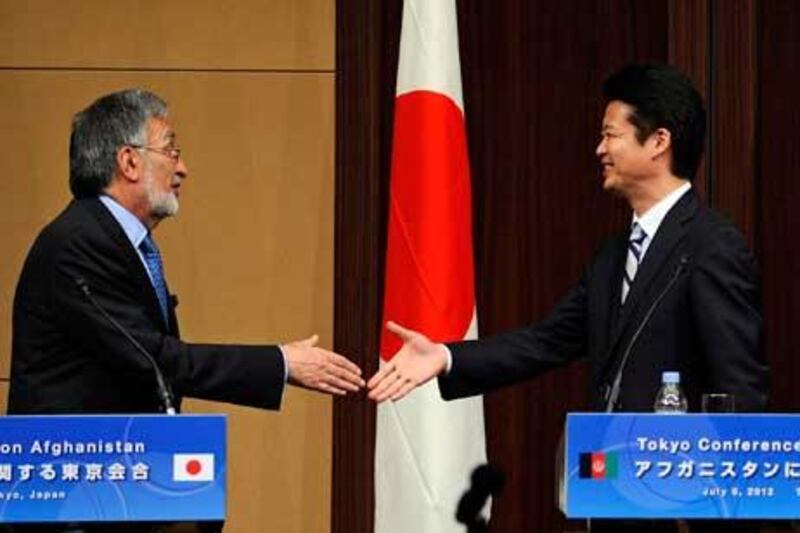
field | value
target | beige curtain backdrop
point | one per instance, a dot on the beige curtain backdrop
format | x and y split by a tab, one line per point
250	85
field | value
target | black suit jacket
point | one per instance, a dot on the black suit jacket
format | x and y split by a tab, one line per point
67	358
707	326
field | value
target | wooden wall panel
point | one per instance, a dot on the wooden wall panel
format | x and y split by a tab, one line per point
34	185
258	227
733	120
180	34
3	395
688	49
366	62
688	41
778	182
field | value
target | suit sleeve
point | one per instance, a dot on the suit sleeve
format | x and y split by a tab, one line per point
247	375
725	301
487	364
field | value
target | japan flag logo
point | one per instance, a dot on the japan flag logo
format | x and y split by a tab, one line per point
193	467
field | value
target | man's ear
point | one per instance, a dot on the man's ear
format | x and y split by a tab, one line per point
128	163
661	140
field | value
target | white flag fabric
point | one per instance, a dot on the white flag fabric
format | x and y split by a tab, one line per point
426	448
193	467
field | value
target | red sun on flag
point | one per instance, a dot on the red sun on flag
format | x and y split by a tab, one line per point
193	467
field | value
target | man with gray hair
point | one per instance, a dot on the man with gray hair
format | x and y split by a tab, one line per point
98	257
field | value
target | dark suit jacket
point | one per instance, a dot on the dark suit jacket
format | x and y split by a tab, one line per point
67	358
707	325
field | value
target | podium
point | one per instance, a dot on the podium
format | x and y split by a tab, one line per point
115	468
686	466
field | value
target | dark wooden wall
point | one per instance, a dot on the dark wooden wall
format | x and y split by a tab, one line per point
532	72
777	185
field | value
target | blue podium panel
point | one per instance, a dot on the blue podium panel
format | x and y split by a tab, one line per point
112	468
682	466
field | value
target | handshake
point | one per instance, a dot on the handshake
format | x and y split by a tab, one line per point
417	361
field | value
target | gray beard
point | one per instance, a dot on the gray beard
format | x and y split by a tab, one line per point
162	204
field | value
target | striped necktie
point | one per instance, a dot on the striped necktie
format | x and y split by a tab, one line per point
635	245
153	259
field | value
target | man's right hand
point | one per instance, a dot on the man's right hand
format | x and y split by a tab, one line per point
413	365
319	369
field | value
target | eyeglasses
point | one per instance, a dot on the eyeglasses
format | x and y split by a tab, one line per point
173	152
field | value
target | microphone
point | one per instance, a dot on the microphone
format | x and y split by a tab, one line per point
616	388
163	389
486	481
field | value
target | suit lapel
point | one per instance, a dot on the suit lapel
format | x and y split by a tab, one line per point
671	231
116	233
616	274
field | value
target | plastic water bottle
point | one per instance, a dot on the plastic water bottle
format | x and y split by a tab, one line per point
670	398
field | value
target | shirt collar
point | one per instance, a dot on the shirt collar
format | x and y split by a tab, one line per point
651	219
132	226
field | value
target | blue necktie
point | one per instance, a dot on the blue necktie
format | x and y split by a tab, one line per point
153	259
635	245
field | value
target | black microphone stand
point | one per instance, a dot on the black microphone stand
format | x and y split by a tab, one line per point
486	481
163	389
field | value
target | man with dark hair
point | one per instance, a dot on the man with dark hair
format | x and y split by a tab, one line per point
662	97
126	172
679	264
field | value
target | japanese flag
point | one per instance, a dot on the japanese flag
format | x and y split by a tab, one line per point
193	467
425	447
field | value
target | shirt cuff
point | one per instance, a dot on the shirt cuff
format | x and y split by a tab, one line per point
285	365
449	364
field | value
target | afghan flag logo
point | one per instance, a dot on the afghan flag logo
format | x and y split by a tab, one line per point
598	465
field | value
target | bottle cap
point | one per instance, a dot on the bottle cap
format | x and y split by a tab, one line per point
671	377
